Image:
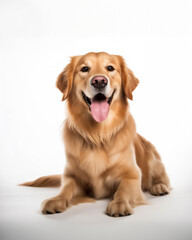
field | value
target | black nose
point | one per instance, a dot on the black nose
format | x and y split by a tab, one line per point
99	82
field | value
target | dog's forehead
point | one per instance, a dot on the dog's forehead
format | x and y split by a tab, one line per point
101	57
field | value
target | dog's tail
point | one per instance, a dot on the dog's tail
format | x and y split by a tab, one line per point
46	181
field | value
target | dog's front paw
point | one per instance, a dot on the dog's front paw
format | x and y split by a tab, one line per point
54	205
159	189
119	208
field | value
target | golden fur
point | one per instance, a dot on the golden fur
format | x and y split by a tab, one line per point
106	159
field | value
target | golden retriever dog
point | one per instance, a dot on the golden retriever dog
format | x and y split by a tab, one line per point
106	157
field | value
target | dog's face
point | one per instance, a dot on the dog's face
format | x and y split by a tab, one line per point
97	80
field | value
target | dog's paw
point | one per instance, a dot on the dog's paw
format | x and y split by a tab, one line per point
159	189
54	205
119	209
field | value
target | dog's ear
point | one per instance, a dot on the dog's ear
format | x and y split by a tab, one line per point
129	81
65	80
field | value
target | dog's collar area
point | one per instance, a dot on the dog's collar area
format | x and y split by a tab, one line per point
99	97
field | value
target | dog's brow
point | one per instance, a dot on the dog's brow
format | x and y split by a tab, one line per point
87	63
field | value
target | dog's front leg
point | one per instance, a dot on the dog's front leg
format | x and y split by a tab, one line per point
128	195
62	201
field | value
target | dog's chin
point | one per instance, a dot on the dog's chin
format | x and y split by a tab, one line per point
98	105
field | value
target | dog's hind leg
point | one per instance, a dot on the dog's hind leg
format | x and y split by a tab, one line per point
154	176
160	184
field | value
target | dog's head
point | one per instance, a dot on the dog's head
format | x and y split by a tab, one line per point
96	81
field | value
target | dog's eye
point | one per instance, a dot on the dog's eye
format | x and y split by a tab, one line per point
110	68
84	69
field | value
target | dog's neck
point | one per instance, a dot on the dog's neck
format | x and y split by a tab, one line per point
97	134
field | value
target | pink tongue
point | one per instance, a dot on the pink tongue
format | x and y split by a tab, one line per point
99	110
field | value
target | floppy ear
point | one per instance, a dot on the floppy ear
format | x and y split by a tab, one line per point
129	81
65	80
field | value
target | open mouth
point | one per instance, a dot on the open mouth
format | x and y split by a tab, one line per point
98	105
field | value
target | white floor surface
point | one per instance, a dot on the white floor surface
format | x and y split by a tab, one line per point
167	217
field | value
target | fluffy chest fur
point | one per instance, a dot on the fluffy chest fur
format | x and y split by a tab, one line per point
100	166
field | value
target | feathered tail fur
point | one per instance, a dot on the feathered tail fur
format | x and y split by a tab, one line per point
46	181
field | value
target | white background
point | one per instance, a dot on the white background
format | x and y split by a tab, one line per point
36	40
